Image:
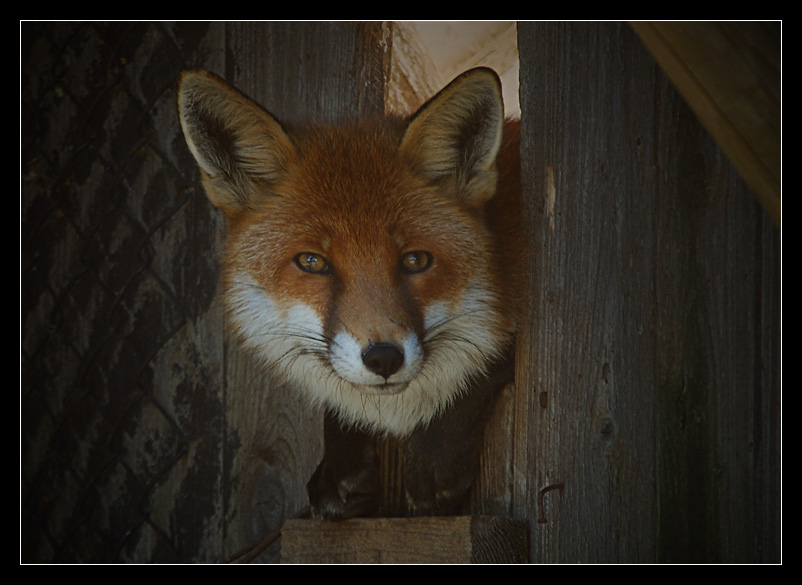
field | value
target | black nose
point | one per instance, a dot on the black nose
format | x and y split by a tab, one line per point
384	359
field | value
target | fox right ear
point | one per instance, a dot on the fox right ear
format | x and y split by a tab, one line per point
240	148
456	135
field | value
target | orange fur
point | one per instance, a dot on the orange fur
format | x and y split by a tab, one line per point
415	223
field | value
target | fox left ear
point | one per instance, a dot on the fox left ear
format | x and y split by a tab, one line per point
456	135
240	148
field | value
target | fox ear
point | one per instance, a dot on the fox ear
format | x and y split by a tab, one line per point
239	147
455	136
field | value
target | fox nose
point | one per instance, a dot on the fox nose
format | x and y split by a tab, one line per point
384	359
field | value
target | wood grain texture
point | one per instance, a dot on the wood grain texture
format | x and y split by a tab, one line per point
653	329
589	123
730	75
453	540
717	354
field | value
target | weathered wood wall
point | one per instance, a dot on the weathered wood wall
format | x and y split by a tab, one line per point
648	388
121	348
145	435
644	425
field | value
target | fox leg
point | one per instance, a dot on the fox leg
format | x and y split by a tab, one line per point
346	483
442	459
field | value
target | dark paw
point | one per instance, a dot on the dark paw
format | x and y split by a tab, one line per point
442	503
333	498
436	490
441	460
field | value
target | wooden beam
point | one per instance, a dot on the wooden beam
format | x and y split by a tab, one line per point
729	73
458	539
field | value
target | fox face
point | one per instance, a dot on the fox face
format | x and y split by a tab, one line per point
362	262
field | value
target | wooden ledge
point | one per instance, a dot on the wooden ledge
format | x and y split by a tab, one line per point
458	539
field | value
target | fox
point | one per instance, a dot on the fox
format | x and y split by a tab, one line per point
376	265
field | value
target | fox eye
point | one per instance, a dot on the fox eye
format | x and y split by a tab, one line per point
417	261
314	263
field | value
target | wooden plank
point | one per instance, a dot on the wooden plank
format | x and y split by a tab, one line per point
648	379
587	129
730	75
716	358
459	539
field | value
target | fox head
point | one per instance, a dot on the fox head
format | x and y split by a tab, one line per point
358	261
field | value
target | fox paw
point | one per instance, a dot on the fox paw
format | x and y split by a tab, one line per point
433	489
441	503
339	498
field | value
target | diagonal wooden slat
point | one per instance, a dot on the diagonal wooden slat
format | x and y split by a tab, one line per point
729	73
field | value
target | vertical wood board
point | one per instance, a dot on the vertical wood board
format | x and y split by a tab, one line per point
649	259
